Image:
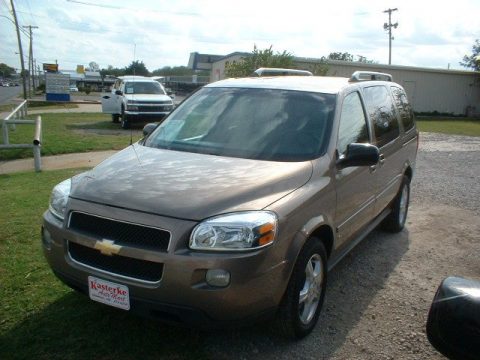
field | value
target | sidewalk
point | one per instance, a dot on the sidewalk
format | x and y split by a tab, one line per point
82	108
56	162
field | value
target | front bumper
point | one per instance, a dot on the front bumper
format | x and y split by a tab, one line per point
182	295
139	116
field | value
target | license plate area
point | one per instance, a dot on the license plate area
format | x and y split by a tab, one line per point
109	293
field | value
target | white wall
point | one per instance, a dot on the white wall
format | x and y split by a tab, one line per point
218	68
445	91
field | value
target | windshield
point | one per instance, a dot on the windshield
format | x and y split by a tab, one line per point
143	87
263	124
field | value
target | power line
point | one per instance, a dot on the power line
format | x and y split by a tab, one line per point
13	22
30	11
388	27
183	13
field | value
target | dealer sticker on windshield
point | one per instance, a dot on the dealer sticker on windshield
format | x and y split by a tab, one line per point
109	293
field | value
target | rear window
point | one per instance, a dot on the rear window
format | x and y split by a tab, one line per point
403	107
382	113
262	124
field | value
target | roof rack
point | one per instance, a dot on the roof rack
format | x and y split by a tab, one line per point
369	76
280	72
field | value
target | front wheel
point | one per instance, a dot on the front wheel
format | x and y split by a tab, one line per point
125	123
116	118
395	221
303	299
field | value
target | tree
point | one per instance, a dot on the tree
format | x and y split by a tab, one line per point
93	66
363	59
6	70
258	59
472	61
345	56
340	56
137	67
110	70
177	71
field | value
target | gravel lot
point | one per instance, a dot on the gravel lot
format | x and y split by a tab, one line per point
378	297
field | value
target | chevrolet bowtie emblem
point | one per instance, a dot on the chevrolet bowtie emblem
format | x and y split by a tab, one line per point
107	247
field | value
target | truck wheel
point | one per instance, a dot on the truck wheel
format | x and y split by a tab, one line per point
115	118
303	299
395	221
125	123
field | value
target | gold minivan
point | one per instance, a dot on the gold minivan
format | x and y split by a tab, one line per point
237	204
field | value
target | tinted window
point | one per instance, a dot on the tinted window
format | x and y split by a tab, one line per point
403	106
353	125
264	124
143	87
382	113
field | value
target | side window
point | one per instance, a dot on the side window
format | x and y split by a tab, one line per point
382	113
353	124
403	106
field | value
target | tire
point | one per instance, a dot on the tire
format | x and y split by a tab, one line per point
301	304
395	221
115	118
125	123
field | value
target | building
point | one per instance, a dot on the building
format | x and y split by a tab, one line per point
90	79
442	91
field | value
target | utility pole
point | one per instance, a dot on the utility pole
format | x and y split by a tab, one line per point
388	27
31	66
20	50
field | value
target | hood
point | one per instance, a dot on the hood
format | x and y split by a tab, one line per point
148	97
187	185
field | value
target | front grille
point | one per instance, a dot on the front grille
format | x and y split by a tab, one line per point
154	108
121	265
122	233
149	102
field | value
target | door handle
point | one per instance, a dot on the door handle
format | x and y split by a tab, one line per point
381	159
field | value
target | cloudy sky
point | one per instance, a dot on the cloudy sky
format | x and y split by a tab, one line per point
163	33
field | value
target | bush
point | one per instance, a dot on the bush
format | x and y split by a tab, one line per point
87	90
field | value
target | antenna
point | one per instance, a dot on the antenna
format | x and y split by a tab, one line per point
134	51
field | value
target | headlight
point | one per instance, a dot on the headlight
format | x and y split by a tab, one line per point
237	231
59	198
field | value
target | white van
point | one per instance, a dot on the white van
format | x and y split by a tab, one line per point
136	98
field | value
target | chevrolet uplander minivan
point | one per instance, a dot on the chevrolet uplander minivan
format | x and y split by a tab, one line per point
240	202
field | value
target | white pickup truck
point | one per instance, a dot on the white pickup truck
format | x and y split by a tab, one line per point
136	98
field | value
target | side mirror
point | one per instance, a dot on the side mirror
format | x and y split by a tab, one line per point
118	92
359	155
147	129
453	325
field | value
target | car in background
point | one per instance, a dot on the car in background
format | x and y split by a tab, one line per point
136	98
73	88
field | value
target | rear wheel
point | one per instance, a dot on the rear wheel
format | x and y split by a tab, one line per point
303	299
395	221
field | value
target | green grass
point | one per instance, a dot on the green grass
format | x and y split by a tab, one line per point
65	133
448	126
40	318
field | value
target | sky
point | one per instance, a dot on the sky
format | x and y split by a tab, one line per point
164	33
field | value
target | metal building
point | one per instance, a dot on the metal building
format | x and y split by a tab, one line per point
430	90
